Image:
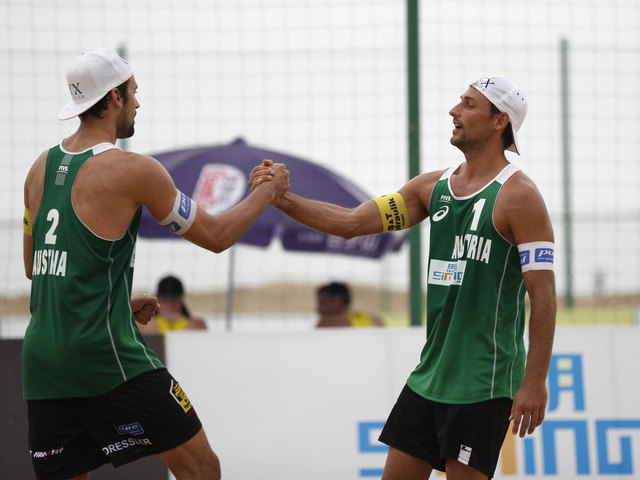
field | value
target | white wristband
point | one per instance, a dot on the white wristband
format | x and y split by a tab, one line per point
536	256
182	215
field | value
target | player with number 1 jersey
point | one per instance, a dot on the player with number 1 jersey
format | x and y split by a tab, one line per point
475	301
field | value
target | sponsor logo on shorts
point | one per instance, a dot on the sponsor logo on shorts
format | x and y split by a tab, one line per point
124	444
47	454
130	429
180	397
464	455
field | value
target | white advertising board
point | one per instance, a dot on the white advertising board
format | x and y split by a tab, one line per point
310	405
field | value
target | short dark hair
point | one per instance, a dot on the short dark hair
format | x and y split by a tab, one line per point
170	287
336	289
103	103
507	133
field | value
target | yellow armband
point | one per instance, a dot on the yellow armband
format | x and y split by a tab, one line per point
26	221
393	212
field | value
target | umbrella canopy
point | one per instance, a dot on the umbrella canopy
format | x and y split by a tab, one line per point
216	178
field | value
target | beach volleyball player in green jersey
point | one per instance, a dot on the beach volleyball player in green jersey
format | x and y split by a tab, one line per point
491	242
95	391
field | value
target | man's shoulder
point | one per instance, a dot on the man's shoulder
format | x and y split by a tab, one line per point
519	186
131	163
425	181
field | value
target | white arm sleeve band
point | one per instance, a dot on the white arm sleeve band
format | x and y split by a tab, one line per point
536	256
182	215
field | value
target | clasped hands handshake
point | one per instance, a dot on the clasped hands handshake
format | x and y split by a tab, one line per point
271	175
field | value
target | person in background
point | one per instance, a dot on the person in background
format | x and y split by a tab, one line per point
172	313
334	307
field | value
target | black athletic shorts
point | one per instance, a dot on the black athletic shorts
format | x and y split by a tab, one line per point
472	433
146	415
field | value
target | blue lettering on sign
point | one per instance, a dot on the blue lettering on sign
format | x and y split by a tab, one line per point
625	466
566	383
544	255
185	206
579	427
525	258
130	429
366	432
565	375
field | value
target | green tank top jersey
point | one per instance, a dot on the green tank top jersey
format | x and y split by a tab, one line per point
82	339
475	301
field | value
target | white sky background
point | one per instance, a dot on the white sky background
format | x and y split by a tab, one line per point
325	80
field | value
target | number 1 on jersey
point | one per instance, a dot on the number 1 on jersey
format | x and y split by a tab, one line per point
477	210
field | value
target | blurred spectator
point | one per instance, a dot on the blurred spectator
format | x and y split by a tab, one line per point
334	300
173	313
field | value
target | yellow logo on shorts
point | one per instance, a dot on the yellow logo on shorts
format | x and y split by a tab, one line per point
181	397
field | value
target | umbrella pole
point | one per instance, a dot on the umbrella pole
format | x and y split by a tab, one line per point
230	287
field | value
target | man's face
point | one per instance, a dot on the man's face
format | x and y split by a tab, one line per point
126	120
329	305
472	120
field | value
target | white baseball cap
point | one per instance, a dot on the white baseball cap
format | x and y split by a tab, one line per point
509	98
90	77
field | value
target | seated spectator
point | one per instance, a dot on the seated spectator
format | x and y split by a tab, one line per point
334	300
173	313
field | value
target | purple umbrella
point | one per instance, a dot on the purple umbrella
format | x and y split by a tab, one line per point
216	178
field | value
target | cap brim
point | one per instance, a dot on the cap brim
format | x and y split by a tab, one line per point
73	109
514	146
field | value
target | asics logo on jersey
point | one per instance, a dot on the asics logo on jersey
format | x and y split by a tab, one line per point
440	214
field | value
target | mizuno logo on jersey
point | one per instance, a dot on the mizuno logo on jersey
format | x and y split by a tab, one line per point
472	247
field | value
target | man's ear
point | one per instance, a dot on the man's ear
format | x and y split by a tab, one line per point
501	120
115	96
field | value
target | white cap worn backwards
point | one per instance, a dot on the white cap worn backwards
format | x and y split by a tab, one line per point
90	77
509	98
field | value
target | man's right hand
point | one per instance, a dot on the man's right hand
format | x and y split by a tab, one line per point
270	175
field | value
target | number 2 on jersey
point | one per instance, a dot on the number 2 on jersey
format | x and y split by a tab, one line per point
54	217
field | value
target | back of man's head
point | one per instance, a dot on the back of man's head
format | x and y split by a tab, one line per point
336	290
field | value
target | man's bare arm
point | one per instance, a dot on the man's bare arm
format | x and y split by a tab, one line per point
364	219
155	189
527	220
33	187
